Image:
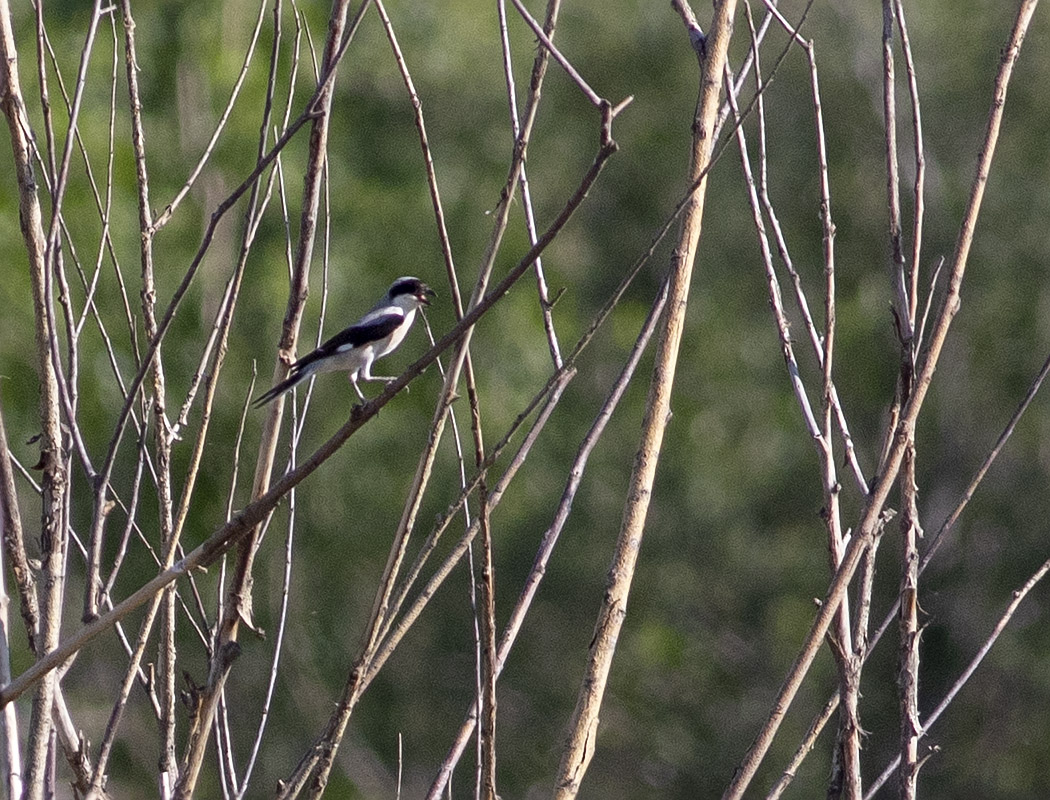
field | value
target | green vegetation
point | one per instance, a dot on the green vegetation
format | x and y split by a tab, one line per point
735	548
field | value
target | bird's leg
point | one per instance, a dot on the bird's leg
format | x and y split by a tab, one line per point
366	374
353	381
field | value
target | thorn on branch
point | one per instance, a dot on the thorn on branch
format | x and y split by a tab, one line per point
933	750
557	296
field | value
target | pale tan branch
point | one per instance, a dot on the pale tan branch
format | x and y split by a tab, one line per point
583	727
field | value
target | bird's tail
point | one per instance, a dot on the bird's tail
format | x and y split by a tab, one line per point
279	389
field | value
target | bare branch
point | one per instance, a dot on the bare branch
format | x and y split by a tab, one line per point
55	478
583	727
871	518
1018	596
550	537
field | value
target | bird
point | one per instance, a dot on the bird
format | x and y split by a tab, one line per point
376	334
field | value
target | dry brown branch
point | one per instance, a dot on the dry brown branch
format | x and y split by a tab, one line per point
583	727
14	544
845	780
487	630
846	774
11	756
906	303
161	430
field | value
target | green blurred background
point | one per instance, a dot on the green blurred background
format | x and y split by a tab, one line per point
735	550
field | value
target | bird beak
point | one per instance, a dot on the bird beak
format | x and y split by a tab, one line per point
425	295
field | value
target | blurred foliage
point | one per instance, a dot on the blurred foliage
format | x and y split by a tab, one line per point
735	550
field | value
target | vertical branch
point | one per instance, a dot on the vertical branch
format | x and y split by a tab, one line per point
583	727
14	544
162	441
919	212
846	777
13	541
889	109
845	780
539	67
51	167
380	614
489	669
54	481
905	309
908	653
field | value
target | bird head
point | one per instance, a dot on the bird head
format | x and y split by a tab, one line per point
414	288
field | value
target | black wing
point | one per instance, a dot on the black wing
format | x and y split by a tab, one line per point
362	333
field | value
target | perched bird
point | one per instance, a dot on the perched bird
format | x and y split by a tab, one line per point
376	334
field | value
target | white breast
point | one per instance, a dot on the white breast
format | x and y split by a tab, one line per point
387	345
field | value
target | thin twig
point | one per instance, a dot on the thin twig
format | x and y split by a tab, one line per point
169	210
540	66
919	189
1018	596
541	34
14	543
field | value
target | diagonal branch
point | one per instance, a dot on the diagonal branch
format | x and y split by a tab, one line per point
583	727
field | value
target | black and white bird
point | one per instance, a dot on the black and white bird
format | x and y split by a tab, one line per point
354	349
